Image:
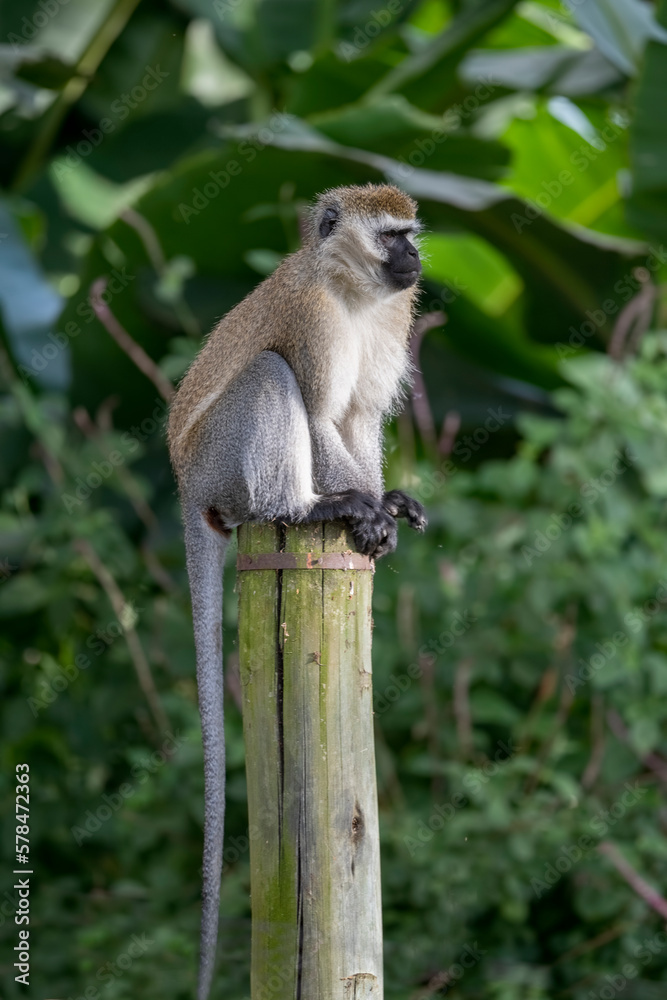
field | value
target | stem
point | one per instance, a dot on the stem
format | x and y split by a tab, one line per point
118	603
88	63
133	350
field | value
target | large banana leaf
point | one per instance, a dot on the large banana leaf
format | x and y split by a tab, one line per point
566	275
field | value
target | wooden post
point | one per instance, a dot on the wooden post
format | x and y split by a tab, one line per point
305	657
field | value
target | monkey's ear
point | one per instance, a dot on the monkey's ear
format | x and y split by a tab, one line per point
328	221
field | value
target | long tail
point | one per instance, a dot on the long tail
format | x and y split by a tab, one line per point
205	550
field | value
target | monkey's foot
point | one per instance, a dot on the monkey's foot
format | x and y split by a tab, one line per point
373	528
399	504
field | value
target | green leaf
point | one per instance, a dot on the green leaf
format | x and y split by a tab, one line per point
621	29
489	706
425	76
22	595
28	62
392	126
29	307
558	69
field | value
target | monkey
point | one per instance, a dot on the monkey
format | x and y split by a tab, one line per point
279	419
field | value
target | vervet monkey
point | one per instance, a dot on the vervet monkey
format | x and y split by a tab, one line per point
280	417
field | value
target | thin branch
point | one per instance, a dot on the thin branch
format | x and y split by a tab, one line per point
148	237
143	511
119	604
450	428
563	645
462	712
153	248
84	72
634	319
157	570
426	322
646	892
590	775
652	760
134	351
584	947
129	483
420	403
431	719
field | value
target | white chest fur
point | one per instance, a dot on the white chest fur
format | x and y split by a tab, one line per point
372	358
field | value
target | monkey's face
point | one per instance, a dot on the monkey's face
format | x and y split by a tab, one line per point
374	254
365	239
401	267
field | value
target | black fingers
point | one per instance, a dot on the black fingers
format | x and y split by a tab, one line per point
373	528
348	506
399	504
375	536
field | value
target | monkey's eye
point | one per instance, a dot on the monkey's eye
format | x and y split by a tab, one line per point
388	235
328	221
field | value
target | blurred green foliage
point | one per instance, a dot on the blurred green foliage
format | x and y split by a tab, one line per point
520	650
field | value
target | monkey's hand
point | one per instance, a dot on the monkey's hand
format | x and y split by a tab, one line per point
399	504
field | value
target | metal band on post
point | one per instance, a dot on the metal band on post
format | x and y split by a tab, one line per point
304	560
